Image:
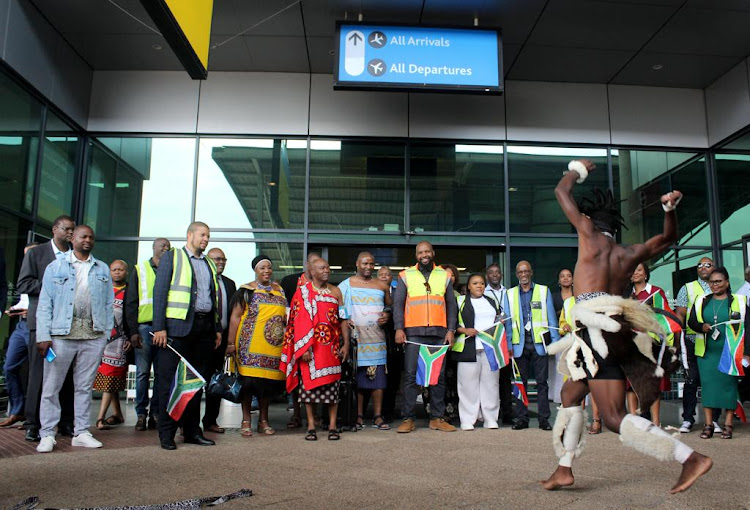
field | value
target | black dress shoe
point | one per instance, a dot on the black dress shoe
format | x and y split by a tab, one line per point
152	422
168	444
140	424
199	440
544	425
65	430
519	425
32	436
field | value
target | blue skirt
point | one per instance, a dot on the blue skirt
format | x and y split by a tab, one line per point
379	382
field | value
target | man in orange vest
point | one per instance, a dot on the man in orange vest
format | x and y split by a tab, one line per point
425	312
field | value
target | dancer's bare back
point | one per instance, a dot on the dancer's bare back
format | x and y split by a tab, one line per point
603	265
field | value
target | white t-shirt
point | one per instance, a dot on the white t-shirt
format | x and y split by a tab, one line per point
484	316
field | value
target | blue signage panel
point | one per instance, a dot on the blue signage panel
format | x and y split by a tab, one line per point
403	57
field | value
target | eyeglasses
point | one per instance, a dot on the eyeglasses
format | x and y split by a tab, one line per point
705	265
427	287
219	259
716	282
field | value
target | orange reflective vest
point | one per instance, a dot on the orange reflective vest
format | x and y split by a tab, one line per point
425	298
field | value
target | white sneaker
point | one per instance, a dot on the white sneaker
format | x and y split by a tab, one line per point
466	426
46	445
717	428
86	440
686	427
490	425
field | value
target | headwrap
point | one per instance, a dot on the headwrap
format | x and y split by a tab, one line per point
260	258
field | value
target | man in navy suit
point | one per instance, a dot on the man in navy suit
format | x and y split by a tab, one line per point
186	314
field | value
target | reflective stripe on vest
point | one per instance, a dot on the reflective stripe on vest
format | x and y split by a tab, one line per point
460	341
422	308
694	291
178	298
146	279
567	312
738	306
539	322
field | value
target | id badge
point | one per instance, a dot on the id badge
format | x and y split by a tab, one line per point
536	305
527	327
715	334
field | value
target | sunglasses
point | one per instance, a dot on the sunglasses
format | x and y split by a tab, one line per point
705	265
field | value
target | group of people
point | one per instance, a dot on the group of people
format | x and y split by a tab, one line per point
82	318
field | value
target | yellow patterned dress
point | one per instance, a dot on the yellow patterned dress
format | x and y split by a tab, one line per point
260	337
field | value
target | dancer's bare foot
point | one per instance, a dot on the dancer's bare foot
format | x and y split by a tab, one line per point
693	468
562	477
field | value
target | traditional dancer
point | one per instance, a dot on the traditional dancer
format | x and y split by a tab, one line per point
610	338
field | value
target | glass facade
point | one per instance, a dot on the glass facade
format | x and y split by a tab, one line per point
478	202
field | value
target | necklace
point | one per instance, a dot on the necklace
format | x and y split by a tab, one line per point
259	285
322	290
366	281
715	310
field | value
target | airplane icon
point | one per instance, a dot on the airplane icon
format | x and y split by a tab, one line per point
377	39
376	67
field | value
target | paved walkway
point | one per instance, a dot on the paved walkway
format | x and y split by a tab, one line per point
367	469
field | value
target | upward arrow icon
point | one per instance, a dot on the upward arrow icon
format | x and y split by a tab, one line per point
354	38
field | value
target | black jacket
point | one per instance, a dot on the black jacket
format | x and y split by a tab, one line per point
231	288
34	263
467	315
132	294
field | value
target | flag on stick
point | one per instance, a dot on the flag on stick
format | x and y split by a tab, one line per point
519	390
495	343
740	412
187	382
429	364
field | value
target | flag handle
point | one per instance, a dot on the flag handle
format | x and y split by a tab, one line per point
183	359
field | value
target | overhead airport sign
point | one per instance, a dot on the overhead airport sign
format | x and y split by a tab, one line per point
418	57
186	25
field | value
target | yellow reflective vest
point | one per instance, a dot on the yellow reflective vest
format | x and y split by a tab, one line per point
566	313
694	291
425	298
738	306
146	279
539	321
178	298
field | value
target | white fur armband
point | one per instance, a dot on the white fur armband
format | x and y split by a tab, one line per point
670	208
580	168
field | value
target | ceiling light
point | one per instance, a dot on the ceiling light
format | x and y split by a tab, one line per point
157	47
272	183
657	67
512	189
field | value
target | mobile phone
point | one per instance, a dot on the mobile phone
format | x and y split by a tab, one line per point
50	356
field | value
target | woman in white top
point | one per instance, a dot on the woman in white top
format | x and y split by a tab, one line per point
478	385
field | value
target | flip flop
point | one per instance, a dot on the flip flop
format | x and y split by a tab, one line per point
267	430
246	431
104	425
114	420
311	435
382	425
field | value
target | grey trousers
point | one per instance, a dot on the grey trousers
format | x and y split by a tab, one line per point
84	356
437	392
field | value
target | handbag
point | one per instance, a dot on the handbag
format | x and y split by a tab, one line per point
225	385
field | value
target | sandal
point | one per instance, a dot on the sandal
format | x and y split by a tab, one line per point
246	431
104	425
311	435
114	420
295	422
267	430
360	423
333	435
596	426
708	432
727	432
382	425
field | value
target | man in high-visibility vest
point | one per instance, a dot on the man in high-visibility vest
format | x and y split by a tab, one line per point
534	326
610	342
685	299
424	312
139	314
186	293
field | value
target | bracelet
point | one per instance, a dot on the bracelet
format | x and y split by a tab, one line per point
580	168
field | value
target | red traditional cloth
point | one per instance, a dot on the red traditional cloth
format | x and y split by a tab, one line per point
313	326
656	298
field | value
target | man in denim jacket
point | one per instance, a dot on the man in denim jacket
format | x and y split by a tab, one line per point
74	318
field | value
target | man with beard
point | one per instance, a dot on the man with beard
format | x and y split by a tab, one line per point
74	321
424	312
611	340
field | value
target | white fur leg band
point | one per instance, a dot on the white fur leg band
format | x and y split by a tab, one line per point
567	434
670	208
580	169
644	436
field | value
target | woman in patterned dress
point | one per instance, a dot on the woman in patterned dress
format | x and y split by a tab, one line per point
257	326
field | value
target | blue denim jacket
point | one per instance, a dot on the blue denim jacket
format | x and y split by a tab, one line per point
55	312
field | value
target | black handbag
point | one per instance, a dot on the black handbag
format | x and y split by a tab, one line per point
225	385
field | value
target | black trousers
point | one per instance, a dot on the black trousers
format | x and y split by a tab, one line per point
198	349
506	394
34	389
531	361
213	403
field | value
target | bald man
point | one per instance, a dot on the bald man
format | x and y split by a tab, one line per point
424	312
534	325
